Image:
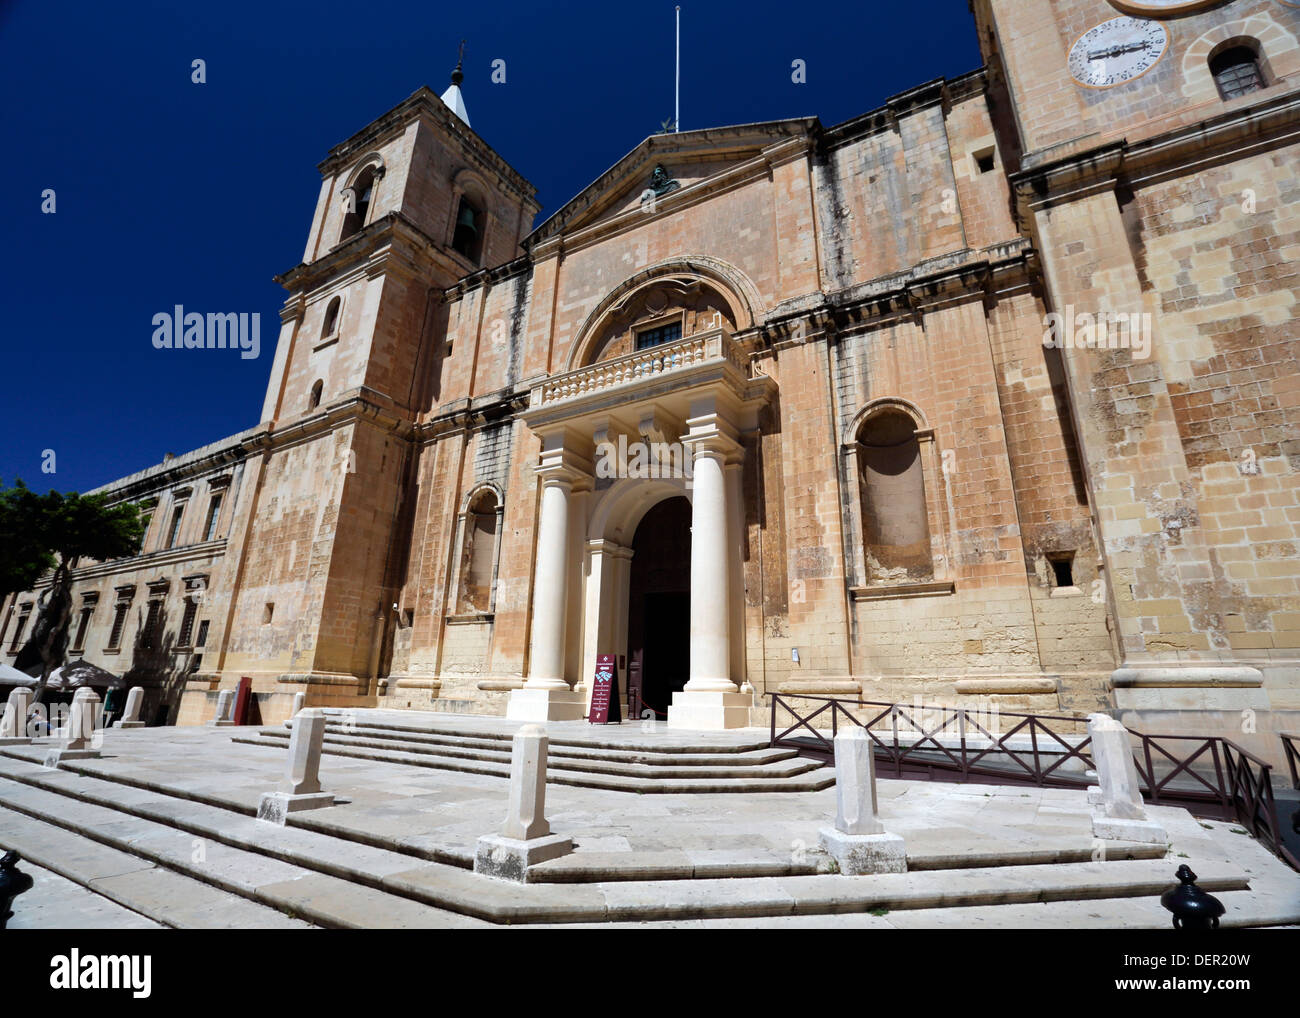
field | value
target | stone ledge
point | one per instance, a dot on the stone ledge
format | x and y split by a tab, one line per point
818	686
410	682
1007	686
938	589
321	679
1189	676
499	685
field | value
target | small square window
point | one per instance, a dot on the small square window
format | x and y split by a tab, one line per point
268	613
986	160
1062	565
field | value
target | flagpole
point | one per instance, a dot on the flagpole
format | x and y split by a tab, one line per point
677	81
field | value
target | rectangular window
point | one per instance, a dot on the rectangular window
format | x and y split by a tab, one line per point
1062	564
84	624
174	531
149	637
202	638
669	333
5	628
119	624
22	624
187	622
214	514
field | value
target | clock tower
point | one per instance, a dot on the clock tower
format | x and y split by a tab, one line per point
1153	164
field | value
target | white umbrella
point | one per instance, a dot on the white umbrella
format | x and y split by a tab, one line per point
10	676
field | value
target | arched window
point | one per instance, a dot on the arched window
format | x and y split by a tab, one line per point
313	401
478	554
357	201
1236	72
468	235
895	527
331	325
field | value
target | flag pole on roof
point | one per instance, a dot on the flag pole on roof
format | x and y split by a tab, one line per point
677	82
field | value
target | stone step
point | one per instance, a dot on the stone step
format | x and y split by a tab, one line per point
565	751
125	878
812	779
593	762
493	728
203	871
343	884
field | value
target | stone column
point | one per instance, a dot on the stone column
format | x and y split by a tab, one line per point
300	789
546	695
525	837
131	716
858	842
710	572
1118	812
736	568
710	700
82	739
225	707
13	729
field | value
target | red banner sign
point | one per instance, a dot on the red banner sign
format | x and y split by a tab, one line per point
605	709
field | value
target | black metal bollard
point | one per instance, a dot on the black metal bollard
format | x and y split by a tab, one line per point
1193	909
12	883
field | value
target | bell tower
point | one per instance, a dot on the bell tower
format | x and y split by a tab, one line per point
1156	178
408	205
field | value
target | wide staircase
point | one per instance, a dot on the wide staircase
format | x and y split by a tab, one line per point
190	856
186	863
588	760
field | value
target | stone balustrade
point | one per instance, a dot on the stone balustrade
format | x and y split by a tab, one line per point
641	365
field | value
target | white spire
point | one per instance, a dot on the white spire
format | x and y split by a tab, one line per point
452	97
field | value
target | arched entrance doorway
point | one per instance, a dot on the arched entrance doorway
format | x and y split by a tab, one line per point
659	603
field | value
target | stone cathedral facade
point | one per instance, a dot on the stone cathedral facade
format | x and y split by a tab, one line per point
989	394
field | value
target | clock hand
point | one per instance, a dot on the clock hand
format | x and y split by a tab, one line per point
1115	51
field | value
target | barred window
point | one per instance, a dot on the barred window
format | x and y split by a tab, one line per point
83	625
119	624
1236	71
187	622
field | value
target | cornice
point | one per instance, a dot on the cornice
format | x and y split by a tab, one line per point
1181	151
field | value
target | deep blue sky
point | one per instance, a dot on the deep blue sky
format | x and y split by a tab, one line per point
170	192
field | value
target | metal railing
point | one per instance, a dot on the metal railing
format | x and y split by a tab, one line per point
1210	774
1291	747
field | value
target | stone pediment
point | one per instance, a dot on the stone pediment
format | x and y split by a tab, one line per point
665	165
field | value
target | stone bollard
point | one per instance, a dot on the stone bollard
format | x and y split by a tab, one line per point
225	709
81	738
525	839
858	841
131	716
13	728
299	702
300	790
1118	813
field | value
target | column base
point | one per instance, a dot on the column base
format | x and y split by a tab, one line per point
859	854
276	806
55	756
706	712
510	859
1145	832
545	705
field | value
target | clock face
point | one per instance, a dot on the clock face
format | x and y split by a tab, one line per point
1162	8
1117	51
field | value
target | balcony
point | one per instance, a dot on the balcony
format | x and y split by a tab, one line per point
672	370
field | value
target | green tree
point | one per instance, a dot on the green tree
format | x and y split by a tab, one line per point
24	555
64	529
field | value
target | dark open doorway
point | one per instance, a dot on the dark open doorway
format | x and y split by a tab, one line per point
659	602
